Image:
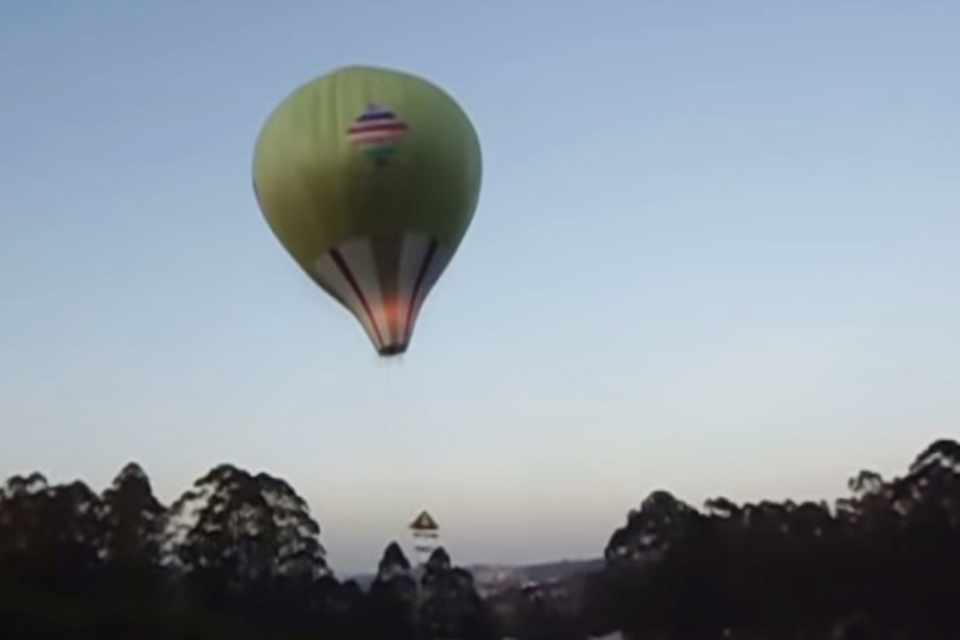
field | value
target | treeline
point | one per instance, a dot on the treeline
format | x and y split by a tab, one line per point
237	556
879	563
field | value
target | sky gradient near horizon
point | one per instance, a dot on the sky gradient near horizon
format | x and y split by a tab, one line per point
715	252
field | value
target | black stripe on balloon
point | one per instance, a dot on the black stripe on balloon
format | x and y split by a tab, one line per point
348	274
418	285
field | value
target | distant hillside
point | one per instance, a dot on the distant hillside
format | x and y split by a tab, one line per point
559	570
492	578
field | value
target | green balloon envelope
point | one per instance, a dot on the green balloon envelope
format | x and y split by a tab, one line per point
369	178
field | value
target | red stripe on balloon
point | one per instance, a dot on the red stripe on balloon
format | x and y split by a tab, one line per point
431	251
348	274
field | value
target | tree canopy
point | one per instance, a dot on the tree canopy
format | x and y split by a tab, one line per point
239	555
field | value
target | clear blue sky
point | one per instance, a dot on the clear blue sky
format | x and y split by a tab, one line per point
716	251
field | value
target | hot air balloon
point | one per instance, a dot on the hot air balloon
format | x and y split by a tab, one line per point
426	533
369	177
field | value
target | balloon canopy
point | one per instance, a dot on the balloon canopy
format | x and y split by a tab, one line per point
369	178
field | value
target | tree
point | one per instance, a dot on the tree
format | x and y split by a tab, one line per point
450	605
393	597
50	536
875	562
248	528
661	522
393	563
299	553
132	520
19	511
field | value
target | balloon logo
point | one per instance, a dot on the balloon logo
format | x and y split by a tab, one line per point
375	131
376	241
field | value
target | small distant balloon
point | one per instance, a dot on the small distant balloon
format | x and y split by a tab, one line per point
369	178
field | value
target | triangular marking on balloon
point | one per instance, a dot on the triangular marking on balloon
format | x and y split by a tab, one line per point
424	522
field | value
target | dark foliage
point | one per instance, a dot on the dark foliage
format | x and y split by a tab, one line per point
239	556
877	564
